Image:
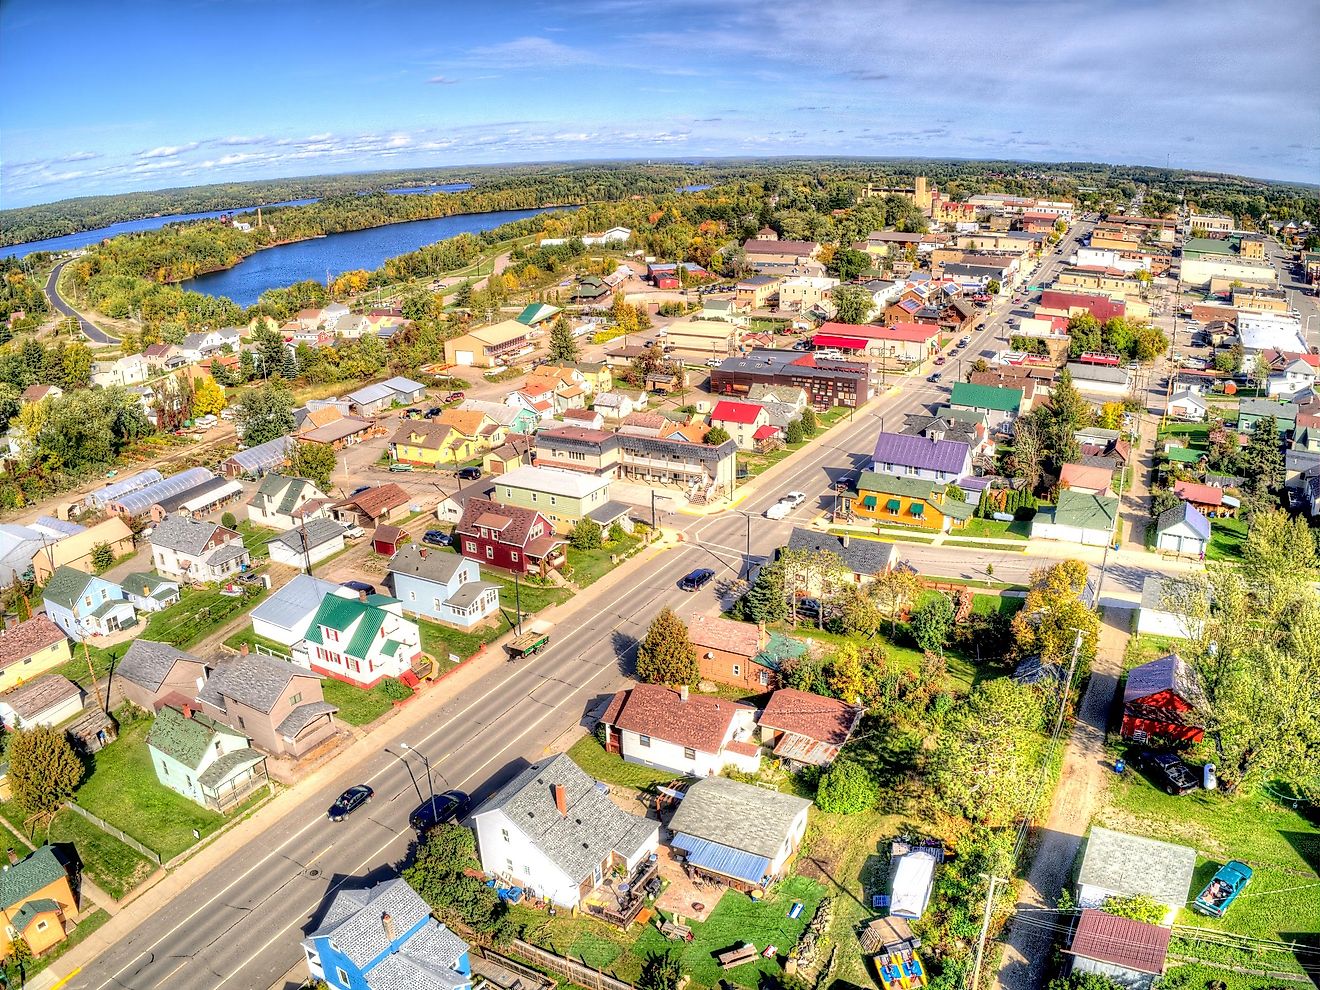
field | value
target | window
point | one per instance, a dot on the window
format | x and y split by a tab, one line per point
490	553
436	604
764	678
513	555
164	768
689	753
42	925
644	741
412	596
296	698
504	834
241	724
553	501
331	634
343	977
509	864
471	547
737	670
87	600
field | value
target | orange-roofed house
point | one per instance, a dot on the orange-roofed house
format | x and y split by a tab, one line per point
1091	479
1209	500
37	900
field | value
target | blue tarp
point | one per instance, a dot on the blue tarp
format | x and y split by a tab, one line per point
729	862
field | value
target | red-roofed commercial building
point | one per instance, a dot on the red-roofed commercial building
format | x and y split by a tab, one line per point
1056	303
688	734
740	420
904	341
1126	951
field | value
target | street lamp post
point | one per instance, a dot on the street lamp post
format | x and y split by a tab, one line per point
429	785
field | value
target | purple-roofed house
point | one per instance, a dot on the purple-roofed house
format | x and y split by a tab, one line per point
916	457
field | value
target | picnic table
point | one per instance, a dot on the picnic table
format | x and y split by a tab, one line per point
736	957
673	931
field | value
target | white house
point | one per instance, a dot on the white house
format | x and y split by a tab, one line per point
1078	517
550	829
361	640
1295	377
131	369
192	550
1116	864
1187	404
1259	332
197	346
616	405
282	503
1100	379
443	586
46	700
741	834
1158	617
688	734
307	544
745	422
286	614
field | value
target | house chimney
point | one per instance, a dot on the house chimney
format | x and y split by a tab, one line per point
387	923
683	692
561	798
422	551
13	857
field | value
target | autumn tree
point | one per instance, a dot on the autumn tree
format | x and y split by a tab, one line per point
314	461
1054	613
666	655
858	610
44	771
208	397
895	591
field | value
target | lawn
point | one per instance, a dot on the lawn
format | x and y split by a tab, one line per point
255	537
989	604
1226	539
1191	434
954	541
246	637
440	641
102	658
534	597
113	866
1018	529
590	755
962	669
589	566
356	705
121	787
891	536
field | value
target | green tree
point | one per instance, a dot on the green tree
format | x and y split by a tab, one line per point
895	591
846	789
1138	907
717	435
1262	458
794	432
1279	556
44	771
848	263
1054	612
563	345
103	557
229	521
852	303
666	655
586	535
858	610
766	601
314	461
932	622
661	971
810	425
264	413
993	287
446	874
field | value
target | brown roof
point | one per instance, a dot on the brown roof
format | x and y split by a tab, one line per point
1121	941
590	414
780	247
389	534
715	633
429	434
576	433
660	712
803	713
645	420
27	638
520	520
1086	476
41	694
375	502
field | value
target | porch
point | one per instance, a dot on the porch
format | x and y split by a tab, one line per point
689	894
620	898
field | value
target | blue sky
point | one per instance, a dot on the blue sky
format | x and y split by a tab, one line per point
104	97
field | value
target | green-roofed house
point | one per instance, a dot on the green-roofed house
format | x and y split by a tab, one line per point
1184	455
148	591
205	761
1079	517
283	503
999	405
37	896
361	640
86	605
534	314
889	500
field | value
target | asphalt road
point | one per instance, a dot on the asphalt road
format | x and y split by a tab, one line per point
93	333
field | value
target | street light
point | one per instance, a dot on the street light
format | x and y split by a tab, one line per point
429	785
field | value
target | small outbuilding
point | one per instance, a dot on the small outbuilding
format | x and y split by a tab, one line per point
1131	953
1182	529
1164	700
1116	864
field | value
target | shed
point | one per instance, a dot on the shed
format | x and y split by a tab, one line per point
1157	618
387	539
1116	864
1183	529
807	728
1129	952
1078	517
1164	700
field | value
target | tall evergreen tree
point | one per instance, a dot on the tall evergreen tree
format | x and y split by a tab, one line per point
666	655
563	347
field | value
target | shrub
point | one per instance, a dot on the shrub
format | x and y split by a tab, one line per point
228	521
845	789
586	535
395	689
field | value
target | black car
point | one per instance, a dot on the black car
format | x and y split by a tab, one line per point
437	538
359	586
349	802
1168	771
358	490
808	608
469	474
697	580
433	412
447	807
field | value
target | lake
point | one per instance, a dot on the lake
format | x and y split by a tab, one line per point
368	249
448	187
71	242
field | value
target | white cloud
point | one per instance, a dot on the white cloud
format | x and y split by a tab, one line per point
168	151
442	81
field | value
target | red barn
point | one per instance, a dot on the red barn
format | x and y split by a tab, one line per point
1164	701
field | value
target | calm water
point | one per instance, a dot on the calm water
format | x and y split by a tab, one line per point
693	188
70	242
448	187
337	253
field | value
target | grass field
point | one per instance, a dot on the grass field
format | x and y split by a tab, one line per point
113	866
246	637
1226	539
590	755
440	641
356	706
255	537
1018	529
982	545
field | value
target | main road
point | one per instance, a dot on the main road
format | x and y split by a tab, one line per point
90	330
239	924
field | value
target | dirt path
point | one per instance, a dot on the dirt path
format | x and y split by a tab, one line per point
1081	785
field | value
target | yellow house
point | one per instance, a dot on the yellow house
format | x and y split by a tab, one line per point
456	436
76	550
886	500
36	901
30	649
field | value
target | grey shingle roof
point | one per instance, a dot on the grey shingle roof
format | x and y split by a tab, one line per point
218	771
147	663
864	556
428	564
720	809
317	532
230	551
353	926
302	716
576	842
184	535
1132	864
66	585
682	448
469	592
254	679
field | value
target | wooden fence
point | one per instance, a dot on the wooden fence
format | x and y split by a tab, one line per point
119	834
583	976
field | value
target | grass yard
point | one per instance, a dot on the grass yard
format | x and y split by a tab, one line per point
1226	539
1192	434
590	755
246	637
982	545
589	566
113	866
989	604
196	615
440	641
255	537
356	706
121	787
102	657
534	597
963	671
1018	529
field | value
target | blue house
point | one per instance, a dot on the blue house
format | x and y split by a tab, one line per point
385	938
442	585
85	605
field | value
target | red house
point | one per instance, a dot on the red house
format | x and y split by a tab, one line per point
1164	701
508	537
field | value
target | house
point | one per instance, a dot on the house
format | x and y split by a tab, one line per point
35	393
257	461
361	642
1129	953
1100	379
801	293
1164	702
285	615
46	700
551	829
503	458
29	649
1297	376
756	292
899	455
307	544
1160	615
151	672
710	826
371	400
194	551
806	729
513	420
282	503
866	559
1209	500
384	938
203	760
741	420
739	653
827	382
331	426
76	549
38	897
196	346
84	605
130	369
490	346
563	497
278	704
149	592
369	508
1119	865
509	537
590	290
703	338
690	735
577	448
1000	405
904	501
616	405
1078	517
1090	479
1252	411
442	586
1187	404
1183	529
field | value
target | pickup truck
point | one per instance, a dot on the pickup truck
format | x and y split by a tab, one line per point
1223	889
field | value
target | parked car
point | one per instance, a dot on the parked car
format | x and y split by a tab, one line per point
437	538
439	809
697	580
1223	889
400	467
714	362
809	608
362	587
1168	771
469	474
358	490
433	412
354	533
454	397
941	359
247	577
779	510
348	802
794	499
964	342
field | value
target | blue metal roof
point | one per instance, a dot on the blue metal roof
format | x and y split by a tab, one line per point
729	862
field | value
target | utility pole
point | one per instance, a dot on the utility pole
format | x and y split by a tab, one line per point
985	929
